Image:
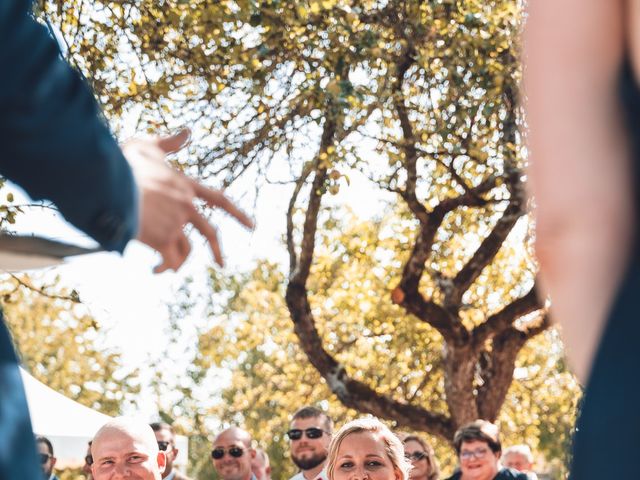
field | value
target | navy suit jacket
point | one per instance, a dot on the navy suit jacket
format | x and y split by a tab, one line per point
53	144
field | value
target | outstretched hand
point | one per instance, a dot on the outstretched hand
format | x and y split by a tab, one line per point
166	201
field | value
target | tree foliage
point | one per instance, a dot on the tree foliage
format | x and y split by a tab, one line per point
57	341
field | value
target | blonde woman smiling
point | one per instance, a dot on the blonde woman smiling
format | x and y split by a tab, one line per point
366	449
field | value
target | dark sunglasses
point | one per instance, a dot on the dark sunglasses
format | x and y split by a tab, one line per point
416	456
88	460
235	452
44	458
311	433
163	446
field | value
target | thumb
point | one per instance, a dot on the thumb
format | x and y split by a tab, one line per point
175	142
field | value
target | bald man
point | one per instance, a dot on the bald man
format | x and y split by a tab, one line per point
126	448
232	454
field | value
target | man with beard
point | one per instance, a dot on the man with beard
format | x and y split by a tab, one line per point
232	454
310	435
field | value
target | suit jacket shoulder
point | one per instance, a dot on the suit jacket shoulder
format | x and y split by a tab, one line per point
53	141
511	474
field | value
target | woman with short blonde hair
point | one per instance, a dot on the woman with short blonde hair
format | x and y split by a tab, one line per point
366	448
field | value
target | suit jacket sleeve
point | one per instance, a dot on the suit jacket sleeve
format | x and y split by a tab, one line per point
53	142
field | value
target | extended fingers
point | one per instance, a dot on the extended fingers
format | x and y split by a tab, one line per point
215	198
207	230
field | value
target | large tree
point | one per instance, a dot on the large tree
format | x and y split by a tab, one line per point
420	96
253	337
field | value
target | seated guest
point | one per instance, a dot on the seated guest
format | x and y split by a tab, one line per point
232	454
47	460
519	457
126	448
478	447
166	442
424	465
260	465
366	448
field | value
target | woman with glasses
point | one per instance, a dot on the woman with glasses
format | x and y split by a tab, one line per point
424	465
478	448
366	449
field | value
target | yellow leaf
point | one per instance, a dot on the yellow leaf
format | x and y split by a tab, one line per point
303	12
315	7
133	88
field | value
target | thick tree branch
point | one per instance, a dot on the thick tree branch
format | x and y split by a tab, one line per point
485	253
498	374
406	293
449	326
505	318
350	392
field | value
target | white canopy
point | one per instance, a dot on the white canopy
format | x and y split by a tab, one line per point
69	425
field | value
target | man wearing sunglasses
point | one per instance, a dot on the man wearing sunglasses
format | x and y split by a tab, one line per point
166	443
232	454
47	460
309	438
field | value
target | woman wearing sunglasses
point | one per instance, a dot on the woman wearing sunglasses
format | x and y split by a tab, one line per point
366	449
424	465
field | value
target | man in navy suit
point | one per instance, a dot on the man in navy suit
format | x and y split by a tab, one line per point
54	144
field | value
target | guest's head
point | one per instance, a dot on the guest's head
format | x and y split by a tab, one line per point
88	460
478	447
260	465
309	437
126	448
167	443
232	454
366	448
45	453
518	457
422	457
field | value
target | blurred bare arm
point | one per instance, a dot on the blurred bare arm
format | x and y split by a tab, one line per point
579	173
